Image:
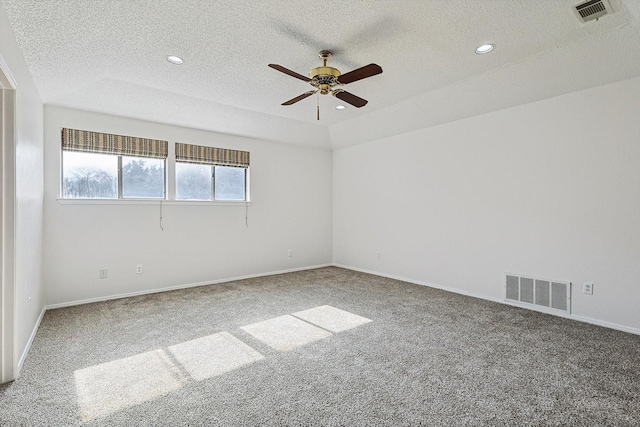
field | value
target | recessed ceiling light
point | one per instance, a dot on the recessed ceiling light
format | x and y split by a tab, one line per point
340	107
485	48
175	59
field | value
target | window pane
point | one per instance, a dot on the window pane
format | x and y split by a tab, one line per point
142	177
229	183
88	175
193	181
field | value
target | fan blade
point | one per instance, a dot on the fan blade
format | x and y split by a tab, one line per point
300	98
360	73
350	98
289	72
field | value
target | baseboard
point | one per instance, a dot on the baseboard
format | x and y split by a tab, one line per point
173	288
25	352
582	319
604	324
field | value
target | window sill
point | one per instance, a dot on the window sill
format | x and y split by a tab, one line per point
155	202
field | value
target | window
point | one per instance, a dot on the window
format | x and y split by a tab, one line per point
89	176
206	182
142	177
193	181
229	183
103	166
209	173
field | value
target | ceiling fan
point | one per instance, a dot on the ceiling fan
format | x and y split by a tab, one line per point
327	79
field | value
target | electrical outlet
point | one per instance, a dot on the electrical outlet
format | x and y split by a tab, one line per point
103	273
587	288
139	269
290	252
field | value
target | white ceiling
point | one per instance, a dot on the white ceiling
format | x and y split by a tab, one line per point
109	56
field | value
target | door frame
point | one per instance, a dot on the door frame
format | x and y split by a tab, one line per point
8	358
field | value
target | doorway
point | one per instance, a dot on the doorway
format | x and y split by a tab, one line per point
8	357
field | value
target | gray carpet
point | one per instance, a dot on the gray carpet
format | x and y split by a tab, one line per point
427	358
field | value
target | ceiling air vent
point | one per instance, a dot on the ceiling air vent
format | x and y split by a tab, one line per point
592	9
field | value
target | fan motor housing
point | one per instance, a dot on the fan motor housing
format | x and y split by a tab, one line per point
324	78
320	71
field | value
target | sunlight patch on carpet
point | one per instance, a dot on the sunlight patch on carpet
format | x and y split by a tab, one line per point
331	318
113	386
110	387
213	355
285	332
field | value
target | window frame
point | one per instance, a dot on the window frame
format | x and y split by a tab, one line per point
212	181
213	184
119	180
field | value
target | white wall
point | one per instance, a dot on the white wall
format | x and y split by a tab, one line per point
291	208
28	190
549	189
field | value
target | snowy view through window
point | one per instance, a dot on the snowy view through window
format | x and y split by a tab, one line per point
229	183
88	175
194	182
142	178
95	176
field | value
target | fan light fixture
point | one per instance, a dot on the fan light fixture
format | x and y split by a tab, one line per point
175	59
485	48
340	107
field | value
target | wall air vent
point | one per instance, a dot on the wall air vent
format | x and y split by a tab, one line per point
592	9
538	293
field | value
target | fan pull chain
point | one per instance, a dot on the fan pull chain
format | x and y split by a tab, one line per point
318	105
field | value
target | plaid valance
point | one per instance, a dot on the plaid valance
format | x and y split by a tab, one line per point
188	153
104	143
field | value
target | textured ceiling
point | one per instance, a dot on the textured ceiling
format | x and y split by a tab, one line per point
109	56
